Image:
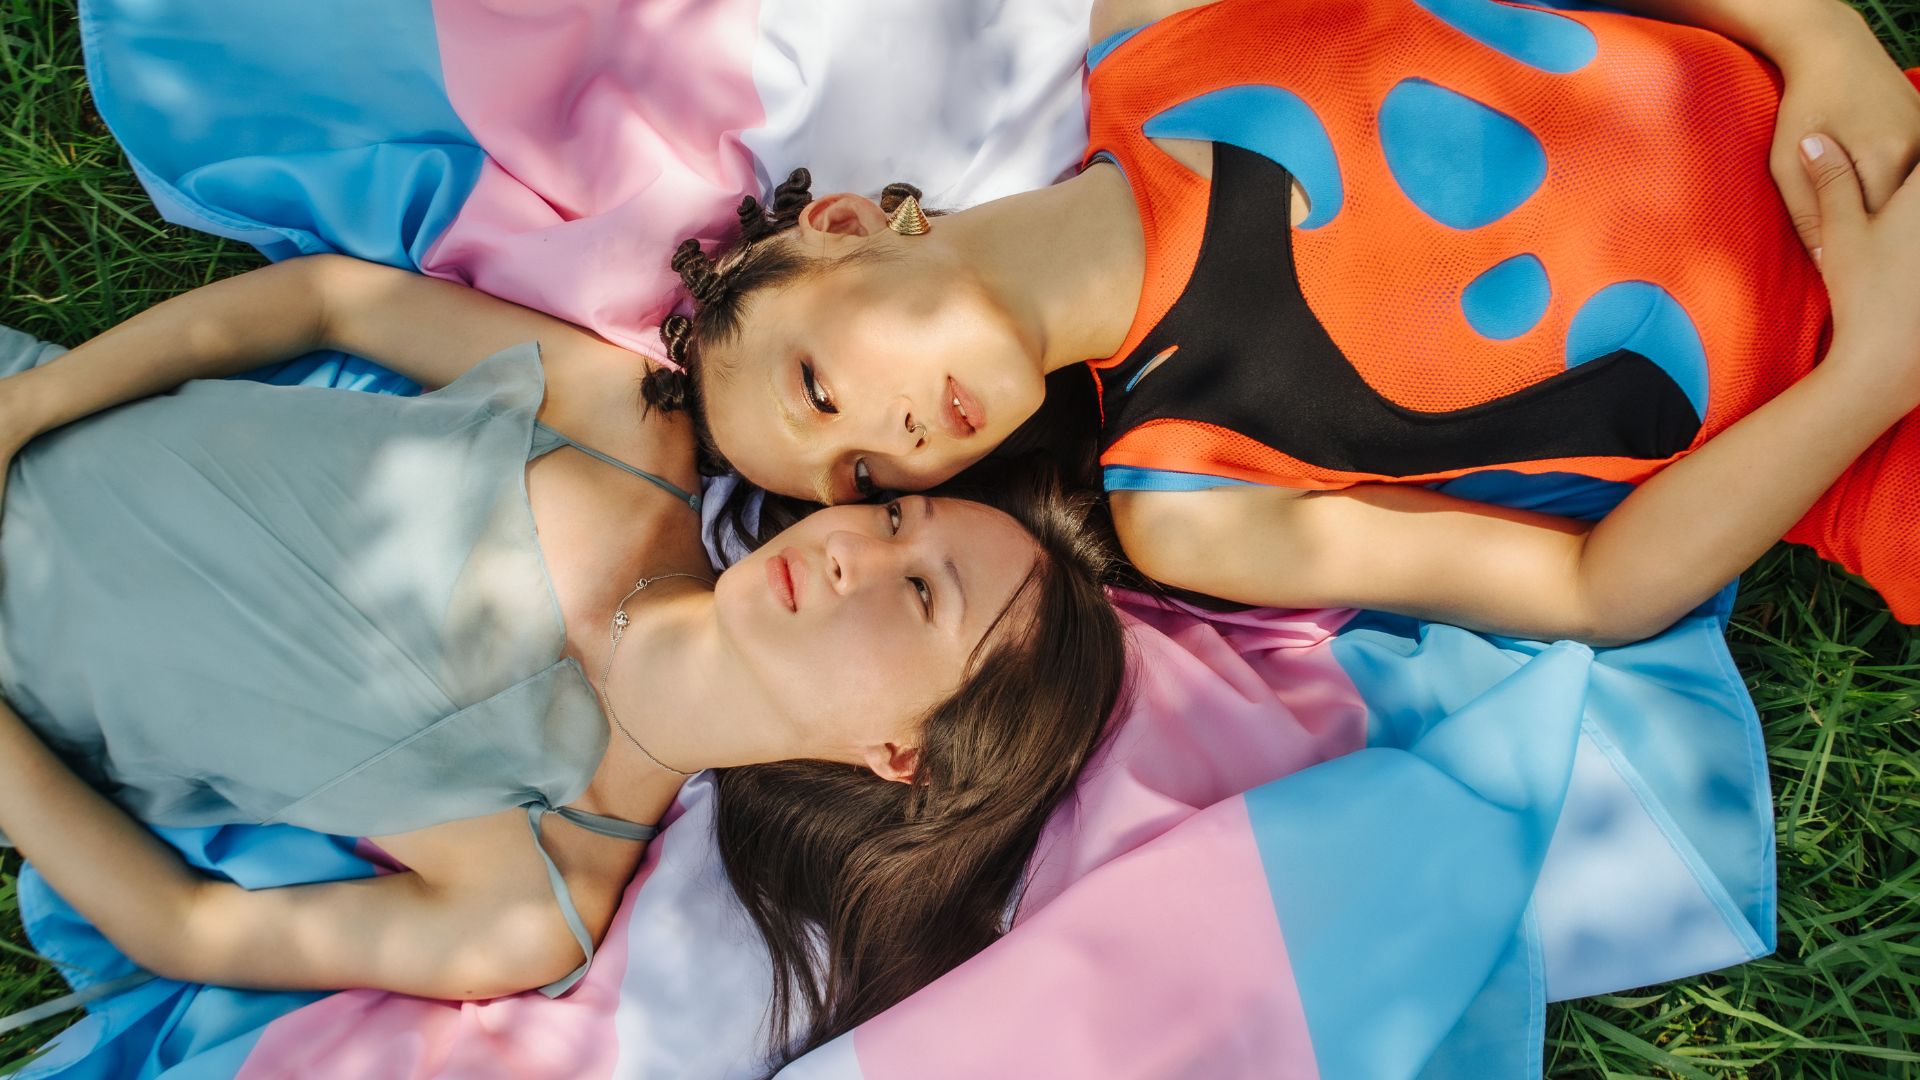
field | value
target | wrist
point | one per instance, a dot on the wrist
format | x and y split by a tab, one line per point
20	419
1878	378
1796	32
26	408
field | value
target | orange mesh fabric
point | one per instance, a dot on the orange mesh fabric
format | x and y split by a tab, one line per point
1869	520
1658	172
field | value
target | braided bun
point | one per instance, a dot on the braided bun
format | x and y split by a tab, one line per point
697	273
676	334
758	222
668	390
896	193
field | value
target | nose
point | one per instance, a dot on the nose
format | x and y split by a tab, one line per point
904	432
856	559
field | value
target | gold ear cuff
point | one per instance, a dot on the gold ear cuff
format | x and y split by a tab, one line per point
908	219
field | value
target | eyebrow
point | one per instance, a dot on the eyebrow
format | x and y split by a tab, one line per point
823	481
780	403
952	570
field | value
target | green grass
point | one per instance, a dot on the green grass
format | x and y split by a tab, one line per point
1837	683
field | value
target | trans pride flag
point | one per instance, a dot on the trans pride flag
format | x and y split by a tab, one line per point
1320	844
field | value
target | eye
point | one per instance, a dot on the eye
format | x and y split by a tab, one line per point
862	479
816	395
893	518
926	596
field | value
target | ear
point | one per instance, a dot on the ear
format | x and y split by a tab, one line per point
891	761
842	214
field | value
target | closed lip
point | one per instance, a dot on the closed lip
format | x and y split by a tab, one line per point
780	580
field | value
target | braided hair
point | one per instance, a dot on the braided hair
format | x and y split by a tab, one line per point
1064	430
719	283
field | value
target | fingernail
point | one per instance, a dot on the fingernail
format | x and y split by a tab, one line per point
1813	146
1816	255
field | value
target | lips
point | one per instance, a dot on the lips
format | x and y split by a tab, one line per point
961	413
780	581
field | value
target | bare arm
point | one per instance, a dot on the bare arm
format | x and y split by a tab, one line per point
485	926
1775	28
1839	79
1668	546
430	331
1671	544
1112	16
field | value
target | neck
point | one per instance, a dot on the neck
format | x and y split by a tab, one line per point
680	693
1077	290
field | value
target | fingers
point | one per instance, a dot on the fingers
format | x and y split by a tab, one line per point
1835	184
1883	165
1886	175
1796	189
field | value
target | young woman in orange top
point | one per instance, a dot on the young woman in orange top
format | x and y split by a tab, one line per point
1324	256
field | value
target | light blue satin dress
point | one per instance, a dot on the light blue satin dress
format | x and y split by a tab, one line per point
238	603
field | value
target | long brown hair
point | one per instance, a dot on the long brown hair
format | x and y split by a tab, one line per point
866	890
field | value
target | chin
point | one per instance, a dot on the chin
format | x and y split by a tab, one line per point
733	598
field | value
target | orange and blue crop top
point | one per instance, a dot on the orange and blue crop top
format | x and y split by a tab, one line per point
1538	241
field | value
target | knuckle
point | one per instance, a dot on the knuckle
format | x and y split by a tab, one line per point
1827	176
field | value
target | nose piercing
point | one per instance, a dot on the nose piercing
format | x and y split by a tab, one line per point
918	429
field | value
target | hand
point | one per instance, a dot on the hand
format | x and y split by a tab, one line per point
1840	81
1871	264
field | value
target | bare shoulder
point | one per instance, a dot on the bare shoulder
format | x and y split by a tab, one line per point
593	395
1112	16
492	861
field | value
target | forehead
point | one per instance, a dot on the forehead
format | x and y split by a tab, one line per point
993	553
990	535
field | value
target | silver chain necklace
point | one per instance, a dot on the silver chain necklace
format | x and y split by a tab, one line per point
620	622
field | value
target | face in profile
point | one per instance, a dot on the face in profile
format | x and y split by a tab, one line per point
891	370
859	619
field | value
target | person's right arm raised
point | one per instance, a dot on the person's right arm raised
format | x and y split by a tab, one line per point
429	331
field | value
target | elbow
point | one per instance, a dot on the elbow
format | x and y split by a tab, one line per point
174	944
1619	603
1629	631
1610	625
321	278
1612	637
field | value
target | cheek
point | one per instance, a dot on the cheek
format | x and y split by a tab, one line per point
746	428
888	673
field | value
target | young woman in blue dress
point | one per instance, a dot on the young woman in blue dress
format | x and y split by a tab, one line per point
450	621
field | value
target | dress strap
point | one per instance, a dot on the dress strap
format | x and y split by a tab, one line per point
546	440
618	828
597	823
